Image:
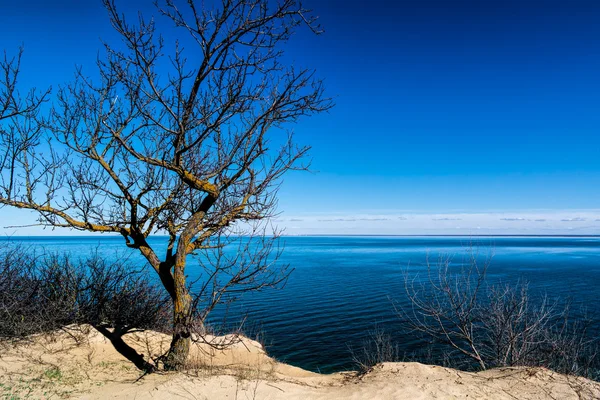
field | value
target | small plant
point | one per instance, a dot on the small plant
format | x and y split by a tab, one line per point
53	373
377	348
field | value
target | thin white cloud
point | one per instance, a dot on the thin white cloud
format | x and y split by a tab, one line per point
421	223
400	222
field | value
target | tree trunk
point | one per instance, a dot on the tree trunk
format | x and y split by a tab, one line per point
132	355
182	323
125	350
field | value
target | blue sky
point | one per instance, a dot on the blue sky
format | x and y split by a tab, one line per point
451	116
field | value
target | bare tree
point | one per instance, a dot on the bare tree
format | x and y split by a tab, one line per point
12	102
486	326
182	144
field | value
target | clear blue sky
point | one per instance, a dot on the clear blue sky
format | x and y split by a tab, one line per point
485	111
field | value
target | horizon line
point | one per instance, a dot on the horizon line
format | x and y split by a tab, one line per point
332	235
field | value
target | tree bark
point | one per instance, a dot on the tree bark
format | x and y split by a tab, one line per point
182	323
182	301
126	351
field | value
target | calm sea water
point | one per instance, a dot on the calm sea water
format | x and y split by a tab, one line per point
343	287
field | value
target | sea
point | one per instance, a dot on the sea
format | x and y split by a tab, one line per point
343	288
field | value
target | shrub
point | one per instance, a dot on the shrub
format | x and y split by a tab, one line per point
481	326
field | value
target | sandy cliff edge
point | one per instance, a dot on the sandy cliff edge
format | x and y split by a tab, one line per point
58	367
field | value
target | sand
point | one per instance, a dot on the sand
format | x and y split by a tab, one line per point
58	366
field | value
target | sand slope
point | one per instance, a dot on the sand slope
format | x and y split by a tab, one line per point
58	367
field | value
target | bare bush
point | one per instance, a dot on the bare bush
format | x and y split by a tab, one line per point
46	293
379	347
19	289
481	326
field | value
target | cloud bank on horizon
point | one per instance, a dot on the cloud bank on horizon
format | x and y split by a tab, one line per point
16	222
567	222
